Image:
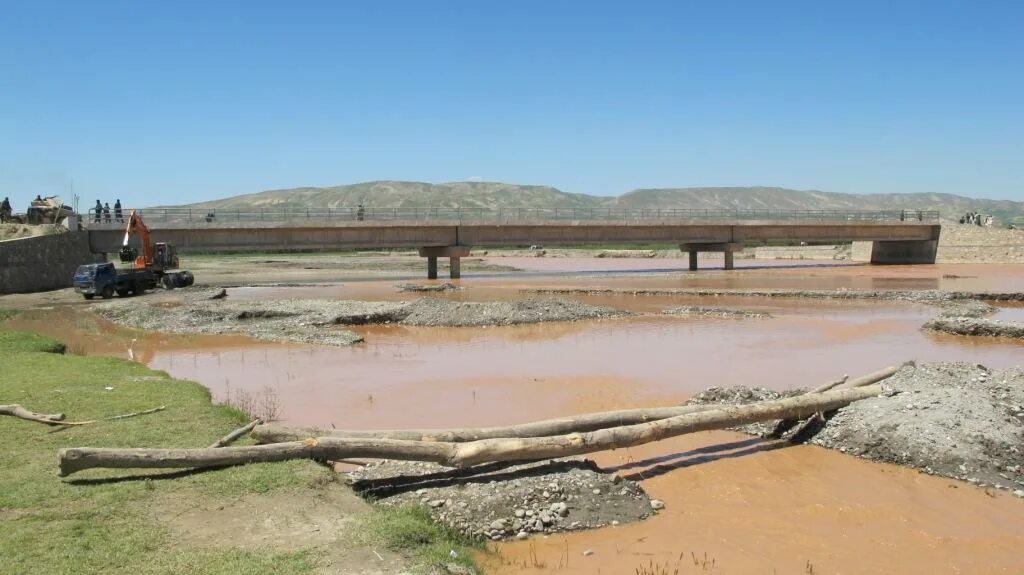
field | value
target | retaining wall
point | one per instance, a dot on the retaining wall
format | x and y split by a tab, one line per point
42	263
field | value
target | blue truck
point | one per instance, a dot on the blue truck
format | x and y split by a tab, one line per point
104	280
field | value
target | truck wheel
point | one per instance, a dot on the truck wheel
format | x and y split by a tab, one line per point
138	288
107	293
187	279
123	292
88	295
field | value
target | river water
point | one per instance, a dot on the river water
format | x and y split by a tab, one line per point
745	505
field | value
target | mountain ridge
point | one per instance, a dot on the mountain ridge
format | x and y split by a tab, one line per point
478	194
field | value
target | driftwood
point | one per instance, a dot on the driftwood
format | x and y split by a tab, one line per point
468	453
22	413
58	418
234	435
549	427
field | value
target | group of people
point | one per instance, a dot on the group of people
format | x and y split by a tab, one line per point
101	212
977	219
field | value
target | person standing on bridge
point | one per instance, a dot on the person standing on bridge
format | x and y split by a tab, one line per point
106	213
5	211
360	212
97	212
117	211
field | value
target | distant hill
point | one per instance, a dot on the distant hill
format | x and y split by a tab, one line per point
390	194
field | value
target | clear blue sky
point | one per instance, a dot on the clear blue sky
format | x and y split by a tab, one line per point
168	102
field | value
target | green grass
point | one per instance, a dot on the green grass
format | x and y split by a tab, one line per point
109	521
411	531
84	525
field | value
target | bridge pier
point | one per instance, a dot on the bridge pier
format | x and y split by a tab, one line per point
725	247
454	255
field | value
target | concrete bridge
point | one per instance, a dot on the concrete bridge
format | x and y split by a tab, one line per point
900	237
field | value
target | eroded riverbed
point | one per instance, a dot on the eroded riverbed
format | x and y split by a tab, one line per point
744	505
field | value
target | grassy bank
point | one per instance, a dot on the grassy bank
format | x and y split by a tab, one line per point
120	521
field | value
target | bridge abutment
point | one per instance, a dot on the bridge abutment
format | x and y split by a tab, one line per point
726	248
904	252
454	255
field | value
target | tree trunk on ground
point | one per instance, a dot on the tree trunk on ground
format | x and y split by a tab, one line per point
469	453
22	413
559	426
546	428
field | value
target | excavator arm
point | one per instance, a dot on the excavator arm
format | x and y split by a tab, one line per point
137	227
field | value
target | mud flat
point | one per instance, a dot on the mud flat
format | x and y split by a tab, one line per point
323	322
956	420
503	501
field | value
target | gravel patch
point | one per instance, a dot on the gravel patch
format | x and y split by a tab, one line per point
957	420
509	501
436	312
322	322
441	287
976	327
715	312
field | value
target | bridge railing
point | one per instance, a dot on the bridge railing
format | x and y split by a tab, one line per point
511	215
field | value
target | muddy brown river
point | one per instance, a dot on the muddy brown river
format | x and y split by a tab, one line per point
733	504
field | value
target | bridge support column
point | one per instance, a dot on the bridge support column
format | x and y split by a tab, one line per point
904	252
726	248
454	255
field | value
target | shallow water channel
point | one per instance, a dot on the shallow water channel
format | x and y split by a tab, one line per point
733	504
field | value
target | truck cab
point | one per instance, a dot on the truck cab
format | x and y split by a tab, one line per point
95	279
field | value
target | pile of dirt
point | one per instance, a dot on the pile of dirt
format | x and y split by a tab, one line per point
715	312
503	501
321	322
957	420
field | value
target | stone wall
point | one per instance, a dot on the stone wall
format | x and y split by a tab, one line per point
42	263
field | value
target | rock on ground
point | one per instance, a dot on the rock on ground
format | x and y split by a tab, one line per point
506	501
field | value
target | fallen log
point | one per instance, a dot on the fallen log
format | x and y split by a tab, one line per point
20	412
469	453
234	435
559	426
545	428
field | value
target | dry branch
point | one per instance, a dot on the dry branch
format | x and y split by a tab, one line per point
113	417
469	453
234	435
22	413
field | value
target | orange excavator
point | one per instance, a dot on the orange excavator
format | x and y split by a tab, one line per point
161	259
